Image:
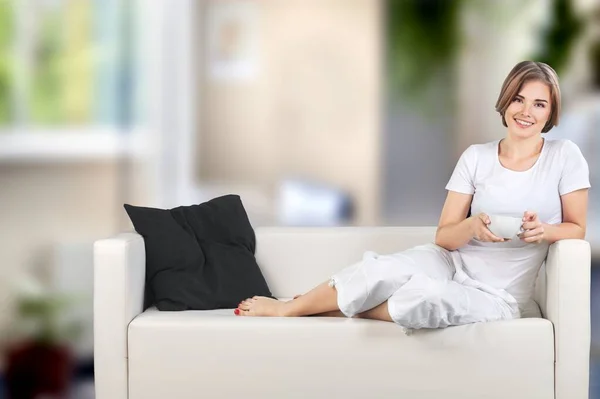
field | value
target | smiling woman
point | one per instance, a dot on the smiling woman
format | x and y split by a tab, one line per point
530	96
530	107
470	274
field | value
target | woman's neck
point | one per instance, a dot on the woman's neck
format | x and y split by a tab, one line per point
516	149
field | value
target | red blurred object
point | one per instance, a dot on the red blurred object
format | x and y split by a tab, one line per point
36	369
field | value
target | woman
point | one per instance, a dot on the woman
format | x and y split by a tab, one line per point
470	275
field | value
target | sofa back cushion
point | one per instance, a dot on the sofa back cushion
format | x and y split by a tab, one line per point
294	260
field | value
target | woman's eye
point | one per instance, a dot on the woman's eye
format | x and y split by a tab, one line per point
541	105
517	99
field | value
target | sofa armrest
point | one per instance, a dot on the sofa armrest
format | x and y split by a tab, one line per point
119	274
567	306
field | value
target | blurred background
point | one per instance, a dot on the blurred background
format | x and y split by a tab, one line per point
316	112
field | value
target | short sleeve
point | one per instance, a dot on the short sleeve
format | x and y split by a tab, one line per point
463	177
575	173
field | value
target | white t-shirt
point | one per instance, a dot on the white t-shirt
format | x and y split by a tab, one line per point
513	266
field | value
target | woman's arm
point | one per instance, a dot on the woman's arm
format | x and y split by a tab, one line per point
574	210
454	228
574	213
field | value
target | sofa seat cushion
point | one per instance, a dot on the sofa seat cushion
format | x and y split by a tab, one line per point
214	353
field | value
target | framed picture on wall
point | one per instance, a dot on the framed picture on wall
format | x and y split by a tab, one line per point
232	40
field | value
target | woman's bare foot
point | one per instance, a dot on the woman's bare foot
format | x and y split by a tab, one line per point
263	306
322	298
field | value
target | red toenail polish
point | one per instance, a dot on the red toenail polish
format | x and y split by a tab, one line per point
237	312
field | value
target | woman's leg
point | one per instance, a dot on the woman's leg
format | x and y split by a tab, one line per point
379	312
424	302
358	289
262	306
320	299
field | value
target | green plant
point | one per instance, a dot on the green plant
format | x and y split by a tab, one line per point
559	36
48	72
41	313
423	37
43	317
6	78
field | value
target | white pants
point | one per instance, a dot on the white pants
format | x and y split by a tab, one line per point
425	287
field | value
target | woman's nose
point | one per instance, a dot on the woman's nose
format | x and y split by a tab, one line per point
525	110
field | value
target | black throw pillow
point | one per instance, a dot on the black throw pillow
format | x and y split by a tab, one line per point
200	256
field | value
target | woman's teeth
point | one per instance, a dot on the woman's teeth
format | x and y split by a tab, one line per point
522	123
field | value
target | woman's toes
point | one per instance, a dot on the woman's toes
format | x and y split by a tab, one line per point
246	303
244	312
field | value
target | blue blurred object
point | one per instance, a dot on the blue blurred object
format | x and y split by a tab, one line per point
304	203
595	378
595	345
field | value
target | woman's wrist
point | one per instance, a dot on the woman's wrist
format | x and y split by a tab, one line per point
562	231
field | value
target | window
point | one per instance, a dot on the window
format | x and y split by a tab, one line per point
66	64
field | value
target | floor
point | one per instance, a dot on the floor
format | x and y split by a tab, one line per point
83	385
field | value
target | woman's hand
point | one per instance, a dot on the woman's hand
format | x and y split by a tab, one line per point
481	231
533	229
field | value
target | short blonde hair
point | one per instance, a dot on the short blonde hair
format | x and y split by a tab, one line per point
526	71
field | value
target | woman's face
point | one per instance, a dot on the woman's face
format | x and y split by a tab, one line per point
529	111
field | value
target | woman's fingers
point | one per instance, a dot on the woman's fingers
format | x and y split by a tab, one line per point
532	235
489	236
484	233
536	238
529	216
532	232
484	218
531	225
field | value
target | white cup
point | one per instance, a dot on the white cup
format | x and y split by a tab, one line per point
505	226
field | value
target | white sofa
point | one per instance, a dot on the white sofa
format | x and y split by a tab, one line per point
214	354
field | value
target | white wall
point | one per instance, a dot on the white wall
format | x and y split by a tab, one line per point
44	205
313	110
